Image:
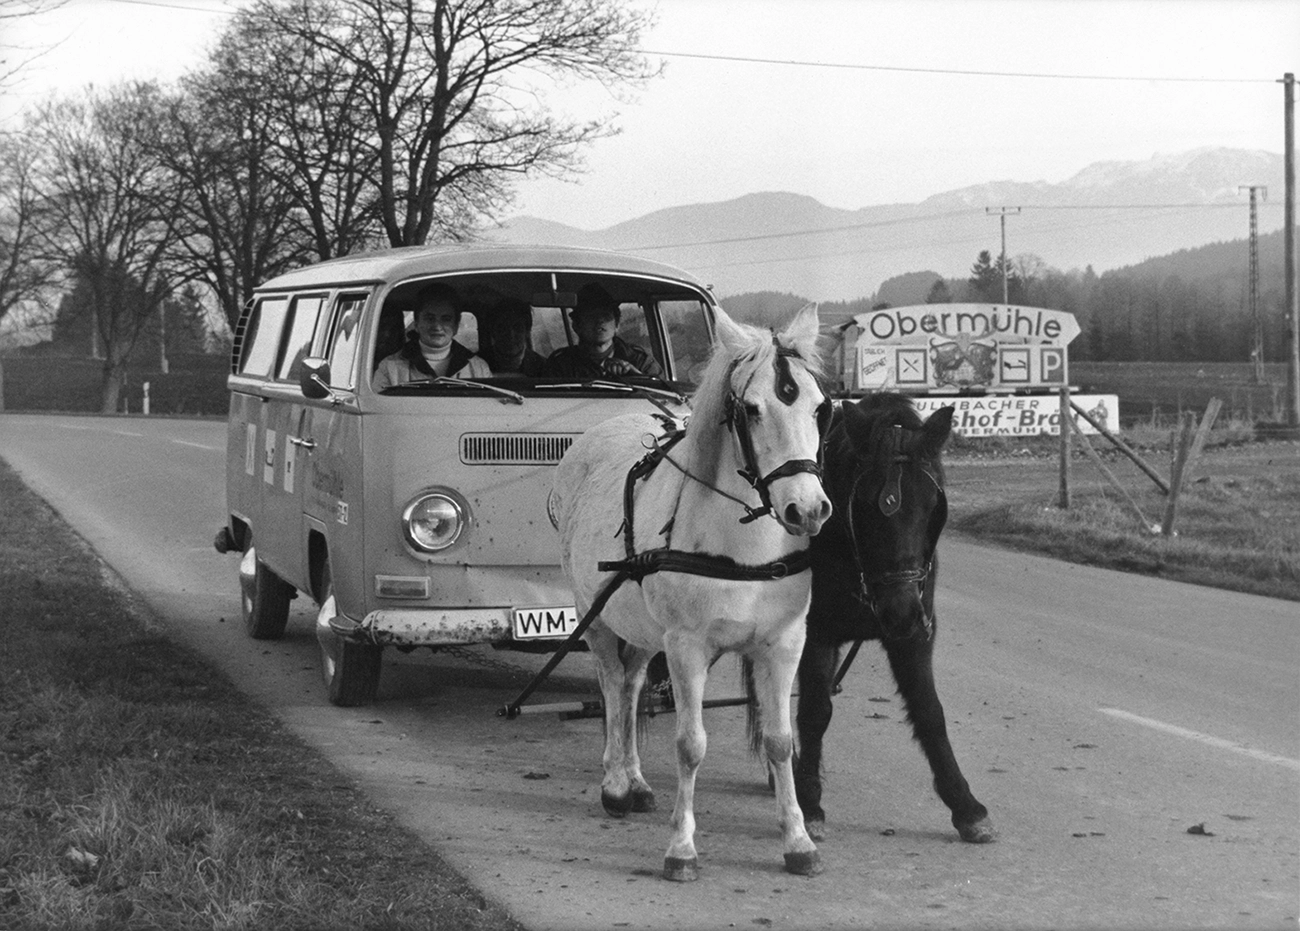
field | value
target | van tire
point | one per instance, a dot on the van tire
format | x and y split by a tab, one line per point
264	598
351	668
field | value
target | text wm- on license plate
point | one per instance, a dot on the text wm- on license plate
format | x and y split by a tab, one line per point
545	623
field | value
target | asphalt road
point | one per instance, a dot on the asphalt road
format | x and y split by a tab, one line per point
1098	715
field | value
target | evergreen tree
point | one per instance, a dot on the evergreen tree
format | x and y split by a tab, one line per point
985	282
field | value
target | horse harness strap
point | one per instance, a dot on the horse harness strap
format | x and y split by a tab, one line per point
664	559
638	565
738	423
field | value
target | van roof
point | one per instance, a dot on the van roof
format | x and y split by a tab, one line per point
394	265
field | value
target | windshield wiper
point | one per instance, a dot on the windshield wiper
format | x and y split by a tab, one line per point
443	381
622	387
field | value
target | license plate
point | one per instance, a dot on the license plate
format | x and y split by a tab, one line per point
553	623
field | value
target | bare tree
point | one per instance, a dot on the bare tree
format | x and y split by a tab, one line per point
236	220
416	115
24	271
14	58
107	214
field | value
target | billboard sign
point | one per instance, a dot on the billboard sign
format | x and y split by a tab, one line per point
1020	415
951	348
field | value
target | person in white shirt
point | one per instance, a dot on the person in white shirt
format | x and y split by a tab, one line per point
431	350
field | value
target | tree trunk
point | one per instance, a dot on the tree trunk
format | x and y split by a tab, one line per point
110	391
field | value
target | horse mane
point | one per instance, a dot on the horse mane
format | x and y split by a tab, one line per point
735	358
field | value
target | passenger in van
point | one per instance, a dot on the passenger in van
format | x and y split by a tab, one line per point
510	340
431	349
600	353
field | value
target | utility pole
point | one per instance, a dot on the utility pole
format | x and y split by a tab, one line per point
1002	212
1257	350
1289	259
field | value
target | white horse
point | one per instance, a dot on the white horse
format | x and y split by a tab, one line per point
731	581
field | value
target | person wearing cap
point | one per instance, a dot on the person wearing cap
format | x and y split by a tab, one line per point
600	353
431	350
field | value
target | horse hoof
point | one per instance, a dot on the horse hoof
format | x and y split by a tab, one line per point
803	864
643	801
616	806
977	832
680	870
816	829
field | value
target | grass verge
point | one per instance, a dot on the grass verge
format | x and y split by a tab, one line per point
1237	524
138	789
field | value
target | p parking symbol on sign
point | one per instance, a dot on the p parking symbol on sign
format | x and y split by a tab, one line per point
1051	365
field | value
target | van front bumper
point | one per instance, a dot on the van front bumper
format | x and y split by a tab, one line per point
427	627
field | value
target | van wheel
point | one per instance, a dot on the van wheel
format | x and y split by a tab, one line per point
264	598
351	669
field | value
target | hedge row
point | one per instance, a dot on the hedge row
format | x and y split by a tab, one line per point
197	385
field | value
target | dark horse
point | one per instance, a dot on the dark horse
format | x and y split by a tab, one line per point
874	570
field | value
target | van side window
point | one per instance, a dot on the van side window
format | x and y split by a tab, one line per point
345	339
262	339
306	311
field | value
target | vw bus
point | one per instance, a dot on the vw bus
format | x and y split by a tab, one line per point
415	514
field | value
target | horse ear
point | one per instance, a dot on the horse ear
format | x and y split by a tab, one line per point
804	330
857	425
937	428
731	335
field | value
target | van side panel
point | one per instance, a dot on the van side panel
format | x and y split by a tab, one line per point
333	497
244	457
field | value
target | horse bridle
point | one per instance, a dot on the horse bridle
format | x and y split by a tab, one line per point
735	420
889	501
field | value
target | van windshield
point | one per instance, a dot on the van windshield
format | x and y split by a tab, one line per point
540	332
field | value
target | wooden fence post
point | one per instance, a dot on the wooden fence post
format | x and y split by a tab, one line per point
1202	433
1184	443
1063	502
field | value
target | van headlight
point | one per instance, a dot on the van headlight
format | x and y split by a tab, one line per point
433	522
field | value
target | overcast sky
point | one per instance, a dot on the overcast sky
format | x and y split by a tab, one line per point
852	102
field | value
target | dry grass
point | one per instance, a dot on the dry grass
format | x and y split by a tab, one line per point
138	789
1237	525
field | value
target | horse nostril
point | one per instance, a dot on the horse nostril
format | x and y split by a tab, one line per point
825	512
793	516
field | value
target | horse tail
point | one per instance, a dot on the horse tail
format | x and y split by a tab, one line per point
753	717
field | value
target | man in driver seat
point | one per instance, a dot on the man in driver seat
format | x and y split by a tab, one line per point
600	353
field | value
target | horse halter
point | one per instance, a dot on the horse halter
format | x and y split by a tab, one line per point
889	501
787	392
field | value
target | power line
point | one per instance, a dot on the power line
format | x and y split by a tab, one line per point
967	72
877	249
920	218
180	6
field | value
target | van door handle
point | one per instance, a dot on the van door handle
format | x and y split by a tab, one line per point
305	444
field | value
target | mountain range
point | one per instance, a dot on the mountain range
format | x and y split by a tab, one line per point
1109	215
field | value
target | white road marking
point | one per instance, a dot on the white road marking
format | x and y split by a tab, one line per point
195	445
1207	739
127	433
